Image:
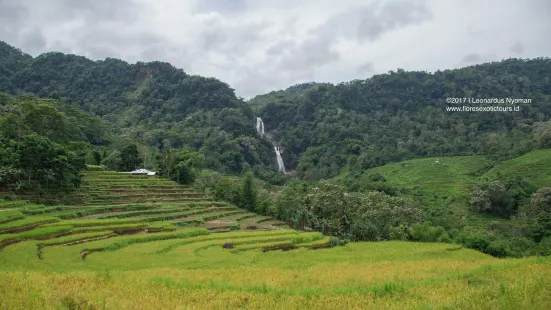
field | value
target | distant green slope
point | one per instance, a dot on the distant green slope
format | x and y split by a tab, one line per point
451	176
534	166
456	175
444	189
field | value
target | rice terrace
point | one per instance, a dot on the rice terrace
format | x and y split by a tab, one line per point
149	243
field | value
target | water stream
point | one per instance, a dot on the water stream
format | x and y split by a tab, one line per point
260	130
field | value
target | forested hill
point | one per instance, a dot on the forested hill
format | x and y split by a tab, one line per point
391	117
154	104
111	85
322	128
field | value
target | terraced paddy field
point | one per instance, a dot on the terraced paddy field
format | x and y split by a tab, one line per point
149	253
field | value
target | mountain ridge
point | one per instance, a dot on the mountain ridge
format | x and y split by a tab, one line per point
323	127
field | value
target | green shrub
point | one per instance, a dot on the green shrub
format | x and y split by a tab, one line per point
427	233
334	241
477	240
444	238
363	231
498	248
399	233
377	177
544	247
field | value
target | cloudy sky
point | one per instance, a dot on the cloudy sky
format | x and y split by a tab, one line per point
261	45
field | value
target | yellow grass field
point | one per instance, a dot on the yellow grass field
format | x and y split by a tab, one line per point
387	275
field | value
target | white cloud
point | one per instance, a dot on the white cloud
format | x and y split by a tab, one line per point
259	46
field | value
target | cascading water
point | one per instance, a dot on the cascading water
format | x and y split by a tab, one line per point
260	130
280	164
259	126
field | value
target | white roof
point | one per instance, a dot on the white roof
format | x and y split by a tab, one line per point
141	171
151	173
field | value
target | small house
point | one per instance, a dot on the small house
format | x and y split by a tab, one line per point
142	172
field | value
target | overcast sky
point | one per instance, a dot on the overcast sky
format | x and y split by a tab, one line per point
261	45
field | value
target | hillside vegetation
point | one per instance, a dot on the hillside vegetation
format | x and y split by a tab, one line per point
322	128
533	166
471	196
400	115
44	144
152	104
446	177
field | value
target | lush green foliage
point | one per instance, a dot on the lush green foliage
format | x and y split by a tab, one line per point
400	115
154	105
43	143
324	207
355	216
182	167
248	193
477	202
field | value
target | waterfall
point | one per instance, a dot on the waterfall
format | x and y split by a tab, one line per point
280	164
260	130
259	126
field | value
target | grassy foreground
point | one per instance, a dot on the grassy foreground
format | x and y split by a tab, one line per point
171	274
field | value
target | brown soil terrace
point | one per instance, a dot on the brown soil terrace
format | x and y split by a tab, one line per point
220	222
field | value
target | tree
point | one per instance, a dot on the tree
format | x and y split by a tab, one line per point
113	160
34	153
165	160
96	157
545	138
184	167
130	158
492	198
248	193
41	147
290	204
502	202
327	205
541	201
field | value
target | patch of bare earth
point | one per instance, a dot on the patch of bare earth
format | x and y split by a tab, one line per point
220	222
